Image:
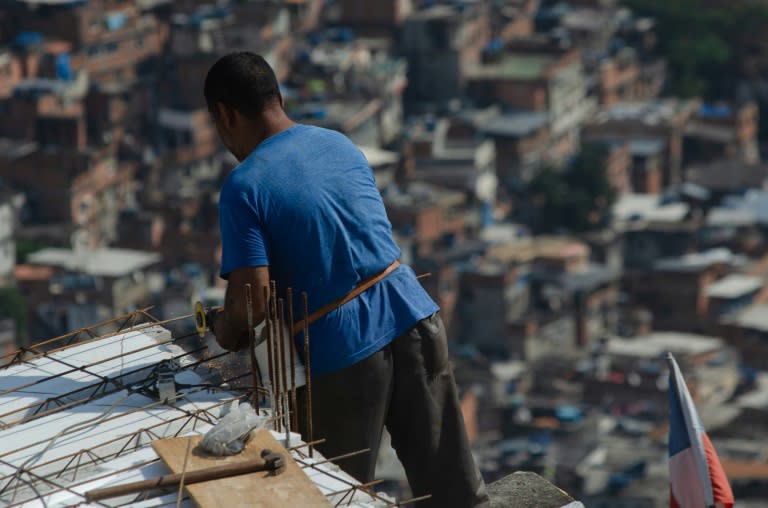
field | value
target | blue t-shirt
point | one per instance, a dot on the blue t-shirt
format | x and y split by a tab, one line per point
305	203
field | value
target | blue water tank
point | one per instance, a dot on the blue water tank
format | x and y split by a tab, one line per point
343	34
636	469
116	20
63	67
486	214
26	39
715	110
496	44
618	481
568	414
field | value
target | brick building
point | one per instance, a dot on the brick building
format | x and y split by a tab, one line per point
618	78
747	332
450	153
47	110
8	343
722	131
677	290
618	167
428	215
84	188
646	171
632	371
664	120
10	205
73	288
355	87
10	72
110	38
514	20
522	141
440	43
490	297
374	19
535	297
552	82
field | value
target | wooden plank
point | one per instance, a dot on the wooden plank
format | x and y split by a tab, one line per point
291	488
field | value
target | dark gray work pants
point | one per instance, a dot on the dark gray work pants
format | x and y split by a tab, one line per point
408	386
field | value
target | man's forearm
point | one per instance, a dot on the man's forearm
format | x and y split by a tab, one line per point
228	335
231	331
231	325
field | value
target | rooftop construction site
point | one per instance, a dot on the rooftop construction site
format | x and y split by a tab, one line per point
92	410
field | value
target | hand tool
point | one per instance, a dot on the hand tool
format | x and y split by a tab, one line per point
270	461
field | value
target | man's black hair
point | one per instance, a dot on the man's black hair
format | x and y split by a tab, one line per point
243	81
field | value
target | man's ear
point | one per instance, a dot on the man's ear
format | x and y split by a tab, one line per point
226	114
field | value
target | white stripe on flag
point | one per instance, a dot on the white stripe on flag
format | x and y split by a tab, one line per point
694	429
686	484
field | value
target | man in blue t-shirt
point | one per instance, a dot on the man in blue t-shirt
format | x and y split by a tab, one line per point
302	209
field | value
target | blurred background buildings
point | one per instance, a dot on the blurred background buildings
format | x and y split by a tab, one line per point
583	180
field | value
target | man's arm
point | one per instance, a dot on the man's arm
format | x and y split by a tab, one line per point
231	324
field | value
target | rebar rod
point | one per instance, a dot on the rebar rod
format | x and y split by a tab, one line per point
35	348
307	368
409	501
268	332
47	354
362	486
195	416
338	478
281	372
96	389
135	410
292	349
252	348
275	379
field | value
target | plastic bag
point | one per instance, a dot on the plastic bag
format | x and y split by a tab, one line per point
262	358
228	437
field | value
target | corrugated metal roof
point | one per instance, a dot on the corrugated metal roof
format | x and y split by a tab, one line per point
109	262
656	344
734	286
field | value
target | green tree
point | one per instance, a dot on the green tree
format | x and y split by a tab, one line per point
691	38
705	45
577	199
25	247
12	305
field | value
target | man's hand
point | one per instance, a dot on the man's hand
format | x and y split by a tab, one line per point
230	326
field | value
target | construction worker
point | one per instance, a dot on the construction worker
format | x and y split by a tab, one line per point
302	209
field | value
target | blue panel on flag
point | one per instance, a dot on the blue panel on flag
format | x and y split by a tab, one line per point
678	435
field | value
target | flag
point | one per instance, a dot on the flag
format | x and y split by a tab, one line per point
696	478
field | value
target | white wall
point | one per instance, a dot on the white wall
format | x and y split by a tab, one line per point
7	244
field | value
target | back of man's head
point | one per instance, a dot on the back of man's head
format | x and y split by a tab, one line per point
243	81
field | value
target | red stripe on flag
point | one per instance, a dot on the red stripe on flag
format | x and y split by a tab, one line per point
672	502
721	489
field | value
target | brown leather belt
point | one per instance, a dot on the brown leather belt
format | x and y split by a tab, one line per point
360	288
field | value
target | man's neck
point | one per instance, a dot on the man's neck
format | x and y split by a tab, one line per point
273	121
